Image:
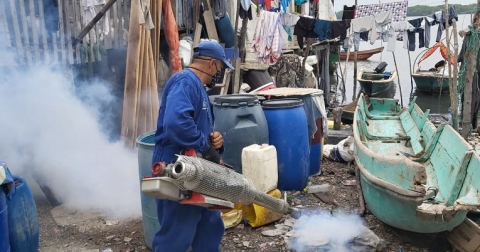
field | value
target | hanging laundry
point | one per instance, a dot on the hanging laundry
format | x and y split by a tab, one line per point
452	14
399	10
348	12
304	29
401	26
246	10
267	39
323	29
382	20
288	21
90	10
288	71
428	22
284	4
300	2
416	23
339	29
364	36
359	25
219	8
275	4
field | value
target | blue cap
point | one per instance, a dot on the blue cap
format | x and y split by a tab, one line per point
211	49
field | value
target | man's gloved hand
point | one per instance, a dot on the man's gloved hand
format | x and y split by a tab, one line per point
212	155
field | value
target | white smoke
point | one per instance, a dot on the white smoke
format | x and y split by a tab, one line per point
324	230
47	131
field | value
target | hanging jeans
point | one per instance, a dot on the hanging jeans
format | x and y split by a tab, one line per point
411	39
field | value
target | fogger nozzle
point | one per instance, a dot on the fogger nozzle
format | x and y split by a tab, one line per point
202	176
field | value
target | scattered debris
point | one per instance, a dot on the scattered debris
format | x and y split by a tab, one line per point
110	237
127	239
112	223
351	182
246	244
326	198
107	250
240	226
318	188
273	232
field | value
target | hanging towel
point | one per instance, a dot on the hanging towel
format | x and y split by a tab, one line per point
339	29
304	29
322	28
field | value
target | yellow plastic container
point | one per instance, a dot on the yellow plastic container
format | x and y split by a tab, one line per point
232	217
258	216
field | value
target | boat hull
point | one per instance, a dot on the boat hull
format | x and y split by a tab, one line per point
361	55
379	90
426	83
400	212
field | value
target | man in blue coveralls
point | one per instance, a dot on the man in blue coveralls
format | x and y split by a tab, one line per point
185	122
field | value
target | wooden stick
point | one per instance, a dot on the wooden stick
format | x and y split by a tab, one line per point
354	74
447	37
44	33
33	20
78	27
90	25
361	200
453	88
236	76
26	38
16	29
70	29
398	77
62	32
131	76
410	69
143	83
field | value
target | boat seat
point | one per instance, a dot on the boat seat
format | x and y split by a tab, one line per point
371	116
398	133
412	131
448	164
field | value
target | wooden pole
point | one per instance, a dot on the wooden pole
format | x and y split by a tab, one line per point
354	69
411	71
398	76
447	37
236	73
467	93
453	87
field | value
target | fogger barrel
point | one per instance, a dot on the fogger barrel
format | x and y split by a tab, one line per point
202	176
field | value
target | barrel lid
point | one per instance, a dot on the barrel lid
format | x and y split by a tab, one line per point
282	103
236	100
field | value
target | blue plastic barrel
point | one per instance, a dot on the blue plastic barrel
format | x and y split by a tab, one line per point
23	219
241	121
4	240
288	132
146	143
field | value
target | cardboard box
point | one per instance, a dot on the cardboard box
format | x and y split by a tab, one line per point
466	237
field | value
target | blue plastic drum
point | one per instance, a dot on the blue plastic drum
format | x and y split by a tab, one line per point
288	132
4	240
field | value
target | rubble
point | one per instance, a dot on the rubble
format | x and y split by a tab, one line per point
318	188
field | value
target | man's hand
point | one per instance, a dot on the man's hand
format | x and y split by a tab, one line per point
216	139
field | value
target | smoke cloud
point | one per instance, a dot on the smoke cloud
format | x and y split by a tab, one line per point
49	131
325	231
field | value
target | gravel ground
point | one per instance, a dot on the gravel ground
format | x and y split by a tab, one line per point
128	235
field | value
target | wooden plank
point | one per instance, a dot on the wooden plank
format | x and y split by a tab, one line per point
210	23
154	102
43	31
78	27
70	28
26	37
36	46
197	35
16	29
61	20
55	49
143	83
131	88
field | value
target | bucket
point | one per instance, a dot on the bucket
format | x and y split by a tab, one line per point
4	240
146	143
288	132
23	219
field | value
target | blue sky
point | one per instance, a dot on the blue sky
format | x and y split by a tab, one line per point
339	3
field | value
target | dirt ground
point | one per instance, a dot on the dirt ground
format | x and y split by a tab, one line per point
94	234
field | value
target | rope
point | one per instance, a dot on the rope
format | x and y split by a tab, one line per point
473	45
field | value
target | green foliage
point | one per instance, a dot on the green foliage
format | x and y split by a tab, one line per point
423	10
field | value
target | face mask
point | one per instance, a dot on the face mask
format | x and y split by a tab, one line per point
215	79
